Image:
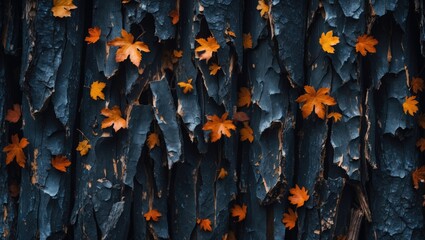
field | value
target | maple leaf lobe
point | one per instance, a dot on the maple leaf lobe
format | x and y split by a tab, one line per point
327	41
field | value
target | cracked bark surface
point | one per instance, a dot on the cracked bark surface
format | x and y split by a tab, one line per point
357	170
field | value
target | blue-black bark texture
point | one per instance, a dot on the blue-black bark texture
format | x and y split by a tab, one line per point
357	170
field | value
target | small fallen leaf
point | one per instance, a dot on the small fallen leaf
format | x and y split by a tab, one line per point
60	163
204	224
409	105
327	41
418	176
128	48
246	133
83	147
96	89
240	117
174	14
247	41
113	118
222	174
335	115
153	140
230	33
153	215
187	87
366	43
315	100
214	69
13	115
218	126
244	97
62	8
177	53
417	85
208	46
263	7
290	219
421	144
239	211
15	150
94	35
298	196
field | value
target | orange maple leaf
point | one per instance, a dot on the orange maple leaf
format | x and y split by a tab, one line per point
83	147
177	53
187	87
13	115
96	89
214	69
409	105
239	211
94	35
421	144
290	219
153	140
62	8
153	215
60	163
113	118
247	133
128	48
417	84
244	97
335	115
418	176
315	100
209	46
247	41
218	126
263	7
174	14
366	44
327	41
15	150
299	196
204	224
222	174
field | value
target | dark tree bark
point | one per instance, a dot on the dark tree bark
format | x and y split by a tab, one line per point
357	171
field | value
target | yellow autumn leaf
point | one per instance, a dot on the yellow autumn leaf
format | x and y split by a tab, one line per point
327	41
187	87
83	147
207	46
214	69
96	89
263	7
62	8
409	105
